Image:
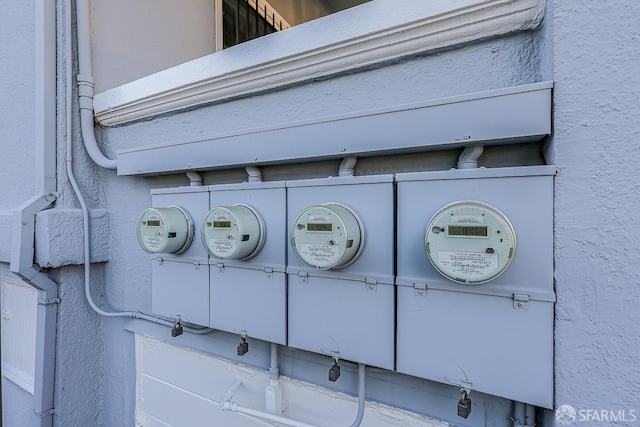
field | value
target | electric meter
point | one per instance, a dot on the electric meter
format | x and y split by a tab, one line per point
327	236
470	242
233	232
165	230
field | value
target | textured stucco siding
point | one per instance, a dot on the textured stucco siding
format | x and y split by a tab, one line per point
17	160
17	109
597	243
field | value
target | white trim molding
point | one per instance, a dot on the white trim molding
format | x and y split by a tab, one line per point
309	51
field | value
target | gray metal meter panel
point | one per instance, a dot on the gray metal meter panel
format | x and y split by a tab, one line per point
475	258
180	281
248	294
340	267
482	342
371	200
520	198
343	318
180	289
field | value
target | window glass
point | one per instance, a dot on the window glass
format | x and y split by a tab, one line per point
245	20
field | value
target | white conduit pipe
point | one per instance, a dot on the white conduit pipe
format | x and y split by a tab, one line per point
195	179
229	405
529	415
347	165
518	414
274	369
361	395
85	87
254	173
469	157
88	136
87	253
234	407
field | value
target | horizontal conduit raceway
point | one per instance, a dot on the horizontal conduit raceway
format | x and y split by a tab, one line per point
520	114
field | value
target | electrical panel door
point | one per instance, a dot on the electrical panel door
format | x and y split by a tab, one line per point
180	278
340	268
475	280
245	235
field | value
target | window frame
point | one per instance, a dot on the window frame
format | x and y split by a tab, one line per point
385	32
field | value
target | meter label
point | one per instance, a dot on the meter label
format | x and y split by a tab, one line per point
222	247
152	243
468	264
319	218
467	219
221	217
319	254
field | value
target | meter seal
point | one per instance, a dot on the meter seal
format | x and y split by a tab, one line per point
470	242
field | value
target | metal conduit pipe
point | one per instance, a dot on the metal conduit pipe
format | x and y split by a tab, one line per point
85	87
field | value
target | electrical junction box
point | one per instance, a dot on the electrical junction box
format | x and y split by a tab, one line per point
245	234
180	278
475	309
341	295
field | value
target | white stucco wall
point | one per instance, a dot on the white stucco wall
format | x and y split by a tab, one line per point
17	160
17	109
596	62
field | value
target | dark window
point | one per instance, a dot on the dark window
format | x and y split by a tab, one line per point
244	20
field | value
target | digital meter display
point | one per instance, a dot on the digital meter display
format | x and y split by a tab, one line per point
319	227
467	230
153	223
222	224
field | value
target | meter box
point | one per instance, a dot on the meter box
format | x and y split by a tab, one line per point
341	294
475	280
169	232
244	232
